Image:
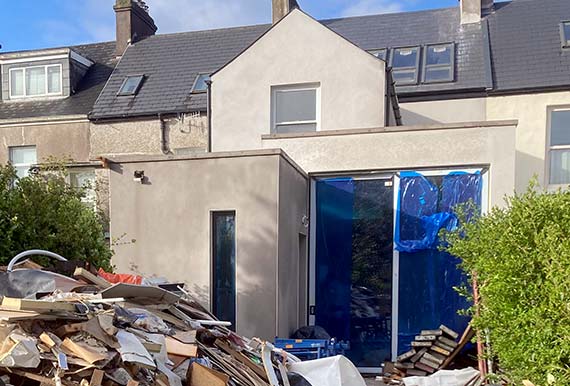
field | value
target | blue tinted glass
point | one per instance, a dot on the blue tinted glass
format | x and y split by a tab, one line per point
405	57
131	85
560	128
224	256
440	54
200	84
566	29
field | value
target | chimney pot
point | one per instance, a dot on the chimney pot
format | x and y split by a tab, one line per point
133	22
282	7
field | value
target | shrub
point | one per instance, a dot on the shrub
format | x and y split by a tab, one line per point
42	211
521	255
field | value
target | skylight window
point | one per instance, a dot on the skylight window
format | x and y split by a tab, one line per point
200	84
131	85
380	54
405	63
439	63
565	34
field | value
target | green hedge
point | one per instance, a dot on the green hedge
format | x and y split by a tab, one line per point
43	212
522	258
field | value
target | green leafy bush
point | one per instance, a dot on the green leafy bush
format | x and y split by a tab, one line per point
521	255
42	211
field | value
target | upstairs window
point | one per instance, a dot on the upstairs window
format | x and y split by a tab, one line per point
565	34
22	159
35	81
380	54
131	85
438	63
200	84
405	63
559	147
295	109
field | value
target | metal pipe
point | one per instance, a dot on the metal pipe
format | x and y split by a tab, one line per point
33	252
209	113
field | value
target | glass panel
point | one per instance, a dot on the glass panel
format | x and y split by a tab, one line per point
301	128
54	79
296	105
405	57
440	54
560	128
438	74
23	155
35	81
17	82
380	54
131	85
354	265
22	171
200	84
404	76
224	256
84	180
559	167
566	29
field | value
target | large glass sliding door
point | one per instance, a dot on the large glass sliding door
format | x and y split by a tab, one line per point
354	265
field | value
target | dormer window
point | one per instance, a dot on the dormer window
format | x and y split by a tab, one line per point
200	84
565	34
35	81
380	54
405	63
438	63
131	85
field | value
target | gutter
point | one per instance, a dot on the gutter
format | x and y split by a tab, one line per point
209	114
163	140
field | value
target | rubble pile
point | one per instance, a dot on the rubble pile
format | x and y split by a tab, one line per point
432	350
124	334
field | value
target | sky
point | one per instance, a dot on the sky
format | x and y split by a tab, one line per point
31	24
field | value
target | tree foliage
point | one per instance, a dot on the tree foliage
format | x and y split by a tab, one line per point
521	255
42	211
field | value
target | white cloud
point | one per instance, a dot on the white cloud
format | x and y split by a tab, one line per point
368	7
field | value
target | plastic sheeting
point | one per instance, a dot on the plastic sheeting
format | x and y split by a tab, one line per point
427	275
444	378
426	206
333	371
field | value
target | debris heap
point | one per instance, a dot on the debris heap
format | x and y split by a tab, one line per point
126	334
432	350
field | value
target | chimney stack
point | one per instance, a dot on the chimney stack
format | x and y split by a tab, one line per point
133	23
282	7
472	10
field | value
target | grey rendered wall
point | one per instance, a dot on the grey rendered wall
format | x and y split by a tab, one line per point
169	217
61	140
445	111
293	196
143	136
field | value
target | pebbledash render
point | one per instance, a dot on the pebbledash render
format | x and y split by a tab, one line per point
286	172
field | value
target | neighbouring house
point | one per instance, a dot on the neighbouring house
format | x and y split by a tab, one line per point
297	173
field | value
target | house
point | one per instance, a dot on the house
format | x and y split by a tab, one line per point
279	171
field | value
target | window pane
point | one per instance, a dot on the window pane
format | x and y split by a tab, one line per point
380	54
131	85
405	57
17	82
296	105
560	128
437	74
200	84
404	76
300	128
23	155
35	81
566	29
224	256
54	79
560	166
438	54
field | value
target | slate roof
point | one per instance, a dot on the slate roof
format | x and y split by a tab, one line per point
79	103
526	45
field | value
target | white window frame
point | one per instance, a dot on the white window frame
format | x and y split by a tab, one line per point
24	69
91	194
550	148
11	149
292	88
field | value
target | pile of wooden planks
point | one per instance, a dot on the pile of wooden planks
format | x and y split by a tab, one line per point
432	350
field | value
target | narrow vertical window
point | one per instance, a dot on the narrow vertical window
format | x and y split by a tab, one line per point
22	158
565	34
224	266
559	147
